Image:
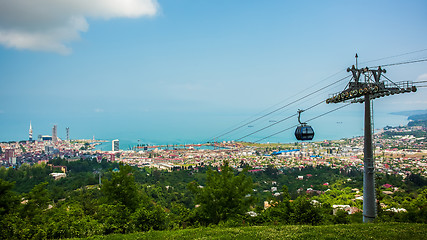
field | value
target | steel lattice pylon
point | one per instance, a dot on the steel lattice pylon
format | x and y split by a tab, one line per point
357	91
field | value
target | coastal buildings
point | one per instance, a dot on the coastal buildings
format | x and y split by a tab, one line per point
55	133
115	145
10	156
400	154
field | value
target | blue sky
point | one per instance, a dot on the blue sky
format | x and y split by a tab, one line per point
186	69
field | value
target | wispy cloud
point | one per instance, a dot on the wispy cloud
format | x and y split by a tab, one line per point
45	25
98	110
422	77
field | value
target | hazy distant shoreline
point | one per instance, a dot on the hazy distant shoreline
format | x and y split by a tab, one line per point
410	113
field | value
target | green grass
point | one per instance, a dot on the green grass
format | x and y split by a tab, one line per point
393	231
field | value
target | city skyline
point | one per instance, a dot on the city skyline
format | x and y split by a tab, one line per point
190	69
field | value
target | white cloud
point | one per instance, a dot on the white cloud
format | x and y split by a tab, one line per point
47	25
422	77
99	110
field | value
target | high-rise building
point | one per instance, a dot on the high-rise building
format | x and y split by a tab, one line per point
115	145
9	155
67	129
30	133
54	134
49	149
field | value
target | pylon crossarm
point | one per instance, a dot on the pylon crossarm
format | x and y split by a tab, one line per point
355	90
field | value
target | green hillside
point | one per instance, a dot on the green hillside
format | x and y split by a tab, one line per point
351	231
420	117
131	201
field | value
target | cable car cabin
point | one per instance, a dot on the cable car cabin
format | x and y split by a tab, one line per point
304	133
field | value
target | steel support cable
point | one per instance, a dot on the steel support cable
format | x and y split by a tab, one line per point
280	108
276	122
246	123
401	63
333	75
321	115
392	64
294	115
279	121
399	55
391	81
420	81
284	119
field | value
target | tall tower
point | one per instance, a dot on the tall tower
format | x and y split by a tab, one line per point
54	134
67	129
30	133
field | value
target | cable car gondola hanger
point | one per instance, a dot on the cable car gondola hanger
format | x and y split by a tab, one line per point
303	132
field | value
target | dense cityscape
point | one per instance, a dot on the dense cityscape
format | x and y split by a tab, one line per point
213	119
164	187
398	150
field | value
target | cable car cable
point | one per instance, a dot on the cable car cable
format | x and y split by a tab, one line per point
280	108
401	63
321	115
284	105
392	64
420	81
399	55
259	130
279	121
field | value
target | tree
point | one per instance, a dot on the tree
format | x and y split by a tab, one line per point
304	212
271	171
279	211
225	195
147	218
8	199
69	221
122	188
341	217
29	223
37	200
179	215
417	180
115	218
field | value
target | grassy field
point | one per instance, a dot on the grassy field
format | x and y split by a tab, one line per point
353	231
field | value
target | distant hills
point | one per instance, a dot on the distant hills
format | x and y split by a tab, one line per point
410	113
414	115
420	117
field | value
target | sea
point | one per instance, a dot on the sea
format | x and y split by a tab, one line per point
185	128
327	128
